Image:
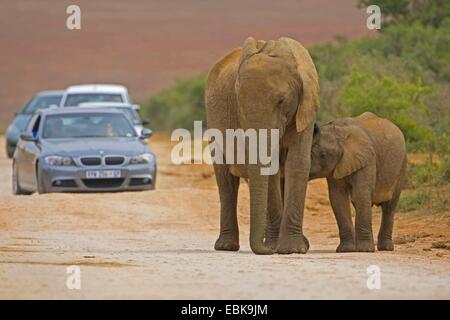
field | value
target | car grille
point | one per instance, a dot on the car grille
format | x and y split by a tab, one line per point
114	160
91	161
103	183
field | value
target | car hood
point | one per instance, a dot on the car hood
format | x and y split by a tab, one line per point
93	146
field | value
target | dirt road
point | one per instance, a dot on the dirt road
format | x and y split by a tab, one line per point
159	245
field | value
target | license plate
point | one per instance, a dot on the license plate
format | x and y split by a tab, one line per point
103	174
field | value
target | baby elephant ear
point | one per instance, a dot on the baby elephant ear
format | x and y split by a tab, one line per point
357	148
309	100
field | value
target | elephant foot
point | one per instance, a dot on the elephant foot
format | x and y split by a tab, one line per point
346	246
385	245
365	246
293	244
271	242
226	243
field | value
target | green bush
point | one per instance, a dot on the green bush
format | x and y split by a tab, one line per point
444	171
427	186
413	200
177	106
422	174
401	102
430	12
403	75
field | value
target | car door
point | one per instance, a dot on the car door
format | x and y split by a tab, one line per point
21	157
30	152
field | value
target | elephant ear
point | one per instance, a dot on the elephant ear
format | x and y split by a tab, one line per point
309	101
357	149
250	47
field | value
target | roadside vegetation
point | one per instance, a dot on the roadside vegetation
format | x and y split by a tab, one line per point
403	74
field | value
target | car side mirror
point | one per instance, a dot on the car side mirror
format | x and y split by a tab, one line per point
27	136
145	121
146	133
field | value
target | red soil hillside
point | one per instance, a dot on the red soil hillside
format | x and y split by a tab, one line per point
146	45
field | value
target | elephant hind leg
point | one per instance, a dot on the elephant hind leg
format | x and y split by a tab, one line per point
228	191
385	242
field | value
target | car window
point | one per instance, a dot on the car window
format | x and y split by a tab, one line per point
35	127
74	99
132	115
30	124
41	102
21	121
87	125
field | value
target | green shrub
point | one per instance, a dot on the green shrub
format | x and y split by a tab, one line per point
430	12
401	102
444	172
177	106
413	200
421	174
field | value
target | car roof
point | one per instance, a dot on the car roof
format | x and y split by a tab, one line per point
108	105
75	110
104	88
50	93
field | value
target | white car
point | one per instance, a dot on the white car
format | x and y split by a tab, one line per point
130	110
75	95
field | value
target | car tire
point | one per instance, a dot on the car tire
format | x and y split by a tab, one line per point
40	182
10	151
17	190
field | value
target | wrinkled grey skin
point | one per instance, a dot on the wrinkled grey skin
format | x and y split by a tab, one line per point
364	161
265	85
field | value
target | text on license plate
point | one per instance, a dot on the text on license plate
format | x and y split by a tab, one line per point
103	174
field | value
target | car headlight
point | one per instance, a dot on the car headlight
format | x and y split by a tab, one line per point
58	161
142	158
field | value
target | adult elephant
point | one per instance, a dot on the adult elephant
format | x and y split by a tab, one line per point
265	85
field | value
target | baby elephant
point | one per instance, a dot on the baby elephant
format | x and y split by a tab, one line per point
364	161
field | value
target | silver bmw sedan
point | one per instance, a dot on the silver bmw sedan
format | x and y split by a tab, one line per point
82	150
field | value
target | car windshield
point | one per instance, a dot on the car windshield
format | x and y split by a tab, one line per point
42	102
132	115
87	125
74	99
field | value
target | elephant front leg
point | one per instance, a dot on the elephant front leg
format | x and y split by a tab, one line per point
362	201
228	190
274	210
340	202
297	167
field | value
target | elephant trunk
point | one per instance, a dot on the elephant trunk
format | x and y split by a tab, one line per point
259	185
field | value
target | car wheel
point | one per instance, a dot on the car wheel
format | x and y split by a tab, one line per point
15	183
10	150
40	181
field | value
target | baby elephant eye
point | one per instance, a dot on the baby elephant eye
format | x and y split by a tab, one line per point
280	102
322	154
